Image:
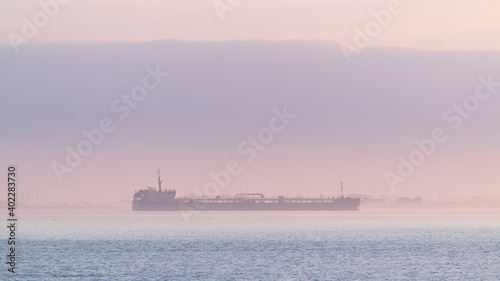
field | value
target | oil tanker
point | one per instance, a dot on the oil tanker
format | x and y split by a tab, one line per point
152	199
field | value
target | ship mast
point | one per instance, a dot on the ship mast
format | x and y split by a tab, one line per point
341	189
159	180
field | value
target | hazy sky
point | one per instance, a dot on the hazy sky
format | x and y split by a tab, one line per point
427	24
353	120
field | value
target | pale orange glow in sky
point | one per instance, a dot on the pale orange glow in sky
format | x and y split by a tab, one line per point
447	24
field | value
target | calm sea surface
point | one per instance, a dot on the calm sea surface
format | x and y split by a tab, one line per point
118	244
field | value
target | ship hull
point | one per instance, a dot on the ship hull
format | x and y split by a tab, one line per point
346	204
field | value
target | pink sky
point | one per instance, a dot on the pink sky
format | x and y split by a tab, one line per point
353	119
425	24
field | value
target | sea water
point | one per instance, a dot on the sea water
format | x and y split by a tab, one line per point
119	244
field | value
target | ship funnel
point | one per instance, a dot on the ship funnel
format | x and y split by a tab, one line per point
159	180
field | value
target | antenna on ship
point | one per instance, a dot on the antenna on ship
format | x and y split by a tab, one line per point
159	180
297	187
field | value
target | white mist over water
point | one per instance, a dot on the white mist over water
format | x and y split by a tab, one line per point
111	244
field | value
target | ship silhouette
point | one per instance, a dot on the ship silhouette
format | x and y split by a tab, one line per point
152	199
